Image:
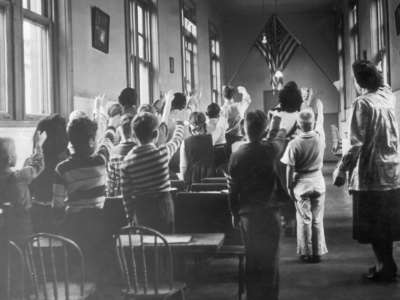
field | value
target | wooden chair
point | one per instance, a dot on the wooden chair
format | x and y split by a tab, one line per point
15	289
204	187
135	245
45	254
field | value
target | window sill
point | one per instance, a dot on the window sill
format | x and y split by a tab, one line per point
14	123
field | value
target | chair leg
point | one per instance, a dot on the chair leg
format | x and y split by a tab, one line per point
241	270
183	294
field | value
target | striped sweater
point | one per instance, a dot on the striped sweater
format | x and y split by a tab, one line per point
145	168
81	180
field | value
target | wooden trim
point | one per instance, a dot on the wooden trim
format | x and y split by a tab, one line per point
18	60
45	21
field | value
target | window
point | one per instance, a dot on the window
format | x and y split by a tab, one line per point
30	79
354	35
189	39
341	56
3	62
140	64
215	56
379	36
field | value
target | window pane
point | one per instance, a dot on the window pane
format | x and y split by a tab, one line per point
35	6
140	19
144	83
36	69
3	62
141	45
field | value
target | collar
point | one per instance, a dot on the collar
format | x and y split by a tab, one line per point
308	134
145	147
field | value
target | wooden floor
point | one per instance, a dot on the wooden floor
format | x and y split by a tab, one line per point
337	277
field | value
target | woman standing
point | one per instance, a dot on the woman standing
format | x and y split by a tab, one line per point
373	165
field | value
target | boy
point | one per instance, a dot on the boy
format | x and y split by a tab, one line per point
145	174
304	159
252	184
80	187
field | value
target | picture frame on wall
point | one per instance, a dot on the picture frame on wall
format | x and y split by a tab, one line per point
100	29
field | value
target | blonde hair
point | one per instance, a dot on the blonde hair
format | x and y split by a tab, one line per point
306	119
8	156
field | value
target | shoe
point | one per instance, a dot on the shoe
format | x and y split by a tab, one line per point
305	258
316	259
379	276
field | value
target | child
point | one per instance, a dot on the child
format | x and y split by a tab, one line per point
304	159
145	174
80	188
14	186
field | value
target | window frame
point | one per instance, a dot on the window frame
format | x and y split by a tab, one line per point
9	113
380	36
132	45
215	58
189	12
60	66
45	20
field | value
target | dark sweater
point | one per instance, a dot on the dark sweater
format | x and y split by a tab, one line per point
253	179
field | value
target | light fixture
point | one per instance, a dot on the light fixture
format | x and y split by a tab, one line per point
278	74
264	39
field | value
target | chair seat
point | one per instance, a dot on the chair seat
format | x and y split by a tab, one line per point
163	290
74	291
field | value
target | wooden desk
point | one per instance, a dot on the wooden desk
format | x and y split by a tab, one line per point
200	243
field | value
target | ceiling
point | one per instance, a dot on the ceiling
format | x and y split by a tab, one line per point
252	7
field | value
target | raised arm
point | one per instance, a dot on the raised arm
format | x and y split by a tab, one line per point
173	145
169	96
34	165
246	100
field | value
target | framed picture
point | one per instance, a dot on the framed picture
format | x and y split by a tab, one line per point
100	30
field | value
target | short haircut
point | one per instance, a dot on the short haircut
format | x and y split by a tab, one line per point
147	108
213	110
228	92
144	125
114	110
256	123
306	119
57	139
126	125
197	121
8	156
179	101
367	75
128	97
77	114
290	97
80	132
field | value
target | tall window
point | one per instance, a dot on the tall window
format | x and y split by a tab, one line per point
189	39
341	56
379	36
37	26
140	48
354	35
215	55
3	62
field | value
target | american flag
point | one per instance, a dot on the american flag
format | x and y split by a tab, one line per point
277	45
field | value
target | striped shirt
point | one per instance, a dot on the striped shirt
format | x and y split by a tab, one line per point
145	168
81	180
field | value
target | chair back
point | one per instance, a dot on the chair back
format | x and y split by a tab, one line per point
204	187
139	251
15	285
215	180
45	255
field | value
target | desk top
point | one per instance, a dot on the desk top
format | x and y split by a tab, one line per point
199	243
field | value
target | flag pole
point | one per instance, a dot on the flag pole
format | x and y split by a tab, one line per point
306	51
